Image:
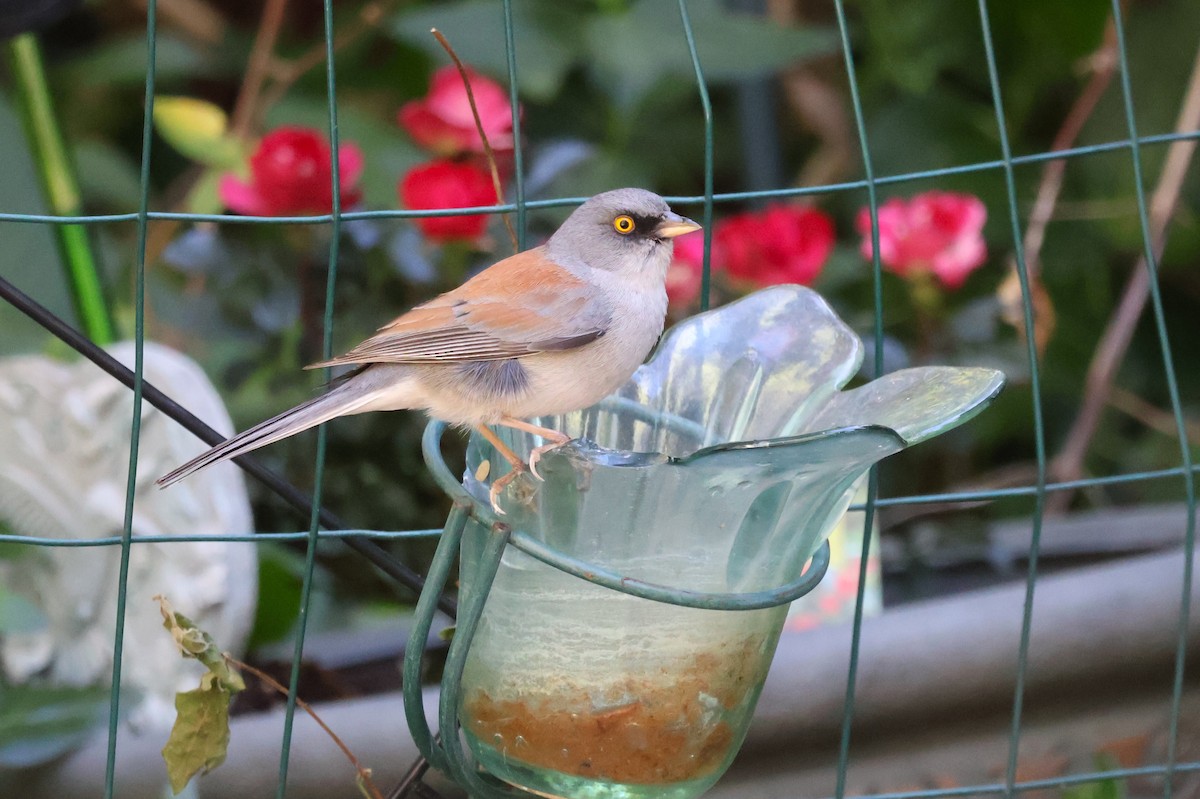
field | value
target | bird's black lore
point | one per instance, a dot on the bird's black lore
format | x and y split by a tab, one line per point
645	224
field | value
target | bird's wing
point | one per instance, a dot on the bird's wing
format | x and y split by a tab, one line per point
521	305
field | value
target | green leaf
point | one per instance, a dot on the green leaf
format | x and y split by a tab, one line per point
963	136
123	61
200	737
1100	789
630	52
547	35
913	46
38	724
18	614
30	253
11	550
280	582
199	130
1110	788
205	197
106	174
196	643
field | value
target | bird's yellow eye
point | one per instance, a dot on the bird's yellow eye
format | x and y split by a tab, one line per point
624	224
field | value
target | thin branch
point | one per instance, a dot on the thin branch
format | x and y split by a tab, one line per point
1103	65
364	773
244	114
1149	414
258	68
1110	352
487	147
196	19
284	74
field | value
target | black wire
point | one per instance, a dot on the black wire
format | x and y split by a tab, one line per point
296	498
412	782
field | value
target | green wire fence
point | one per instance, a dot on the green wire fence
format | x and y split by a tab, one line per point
1006	163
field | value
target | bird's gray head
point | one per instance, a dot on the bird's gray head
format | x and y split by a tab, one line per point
621	230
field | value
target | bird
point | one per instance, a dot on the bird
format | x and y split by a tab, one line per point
546	331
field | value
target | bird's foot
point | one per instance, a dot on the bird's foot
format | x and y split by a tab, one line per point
538	452
500	484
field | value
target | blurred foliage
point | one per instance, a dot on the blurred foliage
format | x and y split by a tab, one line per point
39	723
1111	788
608	100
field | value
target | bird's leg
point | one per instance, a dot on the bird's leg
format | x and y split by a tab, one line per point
557	440
513	459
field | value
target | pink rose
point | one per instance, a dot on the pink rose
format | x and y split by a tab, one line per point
448	184
938	232
442	120
291	173
783	244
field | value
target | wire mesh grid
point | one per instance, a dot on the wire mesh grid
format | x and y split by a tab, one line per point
1038	491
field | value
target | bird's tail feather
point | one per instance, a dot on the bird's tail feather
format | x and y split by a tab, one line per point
343	400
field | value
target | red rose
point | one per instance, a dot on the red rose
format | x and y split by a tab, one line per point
783	244
936	232
442	120
686	273
291	174
448	184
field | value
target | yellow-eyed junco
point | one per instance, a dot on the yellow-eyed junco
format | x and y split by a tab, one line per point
546	331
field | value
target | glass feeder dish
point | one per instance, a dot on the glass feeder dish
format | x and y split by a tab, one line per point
618	621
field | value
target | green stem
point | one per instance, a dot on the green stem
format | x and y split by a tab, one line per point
59	185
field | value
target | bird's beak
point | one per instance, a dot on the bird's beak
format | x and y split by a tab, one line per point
674	225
